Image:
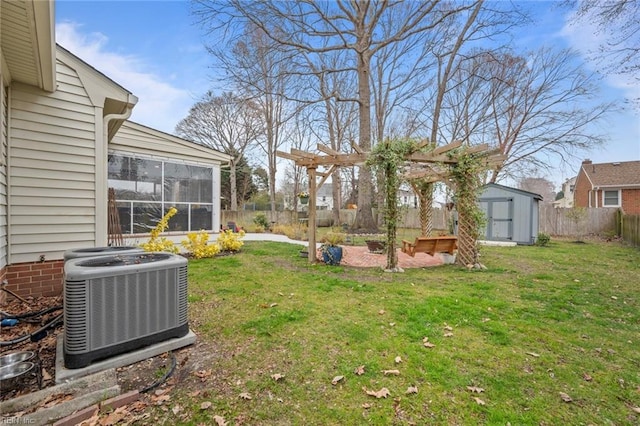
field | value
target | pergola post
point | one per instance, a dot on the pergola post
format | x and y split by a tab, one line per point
311	224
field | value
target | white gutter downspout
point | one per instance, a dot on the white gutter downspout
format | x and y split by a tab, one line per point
102	156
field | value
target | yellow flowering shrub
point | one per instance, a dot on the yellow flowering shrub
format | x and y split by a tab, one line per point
197	244
157	243
230	241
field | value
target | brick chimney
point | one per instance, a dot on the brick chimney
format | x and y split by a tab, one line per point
586	161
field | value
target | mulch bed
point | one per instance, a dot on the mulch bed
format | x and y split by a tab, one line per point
43	373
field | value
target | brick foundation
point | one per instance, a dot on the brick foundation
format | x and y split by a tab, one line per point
35	279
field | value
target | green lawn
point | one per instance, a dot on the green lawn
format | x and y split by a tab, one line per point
539	325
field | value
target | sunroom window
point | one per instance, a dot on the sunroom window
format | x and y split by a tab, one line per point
611	198
146	189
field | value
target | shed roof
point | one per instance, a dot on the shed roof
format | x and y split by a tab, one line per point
516	190
617	174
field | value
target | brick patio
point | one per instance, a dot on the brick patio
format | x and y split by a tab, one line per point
360	257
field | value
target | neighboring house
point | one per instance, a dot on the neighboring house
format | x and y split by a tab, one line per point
61	121
568	188
407	198
609	185
511	214
324	197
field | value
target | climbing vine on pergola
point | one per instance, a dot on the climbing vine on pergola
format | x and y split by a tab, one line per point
423	168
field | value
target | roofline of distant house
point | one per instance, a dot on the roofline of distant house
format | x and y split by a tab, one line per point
625	186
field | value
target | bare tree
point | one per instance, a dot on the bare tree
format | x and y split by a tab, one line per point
540	186
336	117
540	107
300	131
226	123
316	28
618	24
258	68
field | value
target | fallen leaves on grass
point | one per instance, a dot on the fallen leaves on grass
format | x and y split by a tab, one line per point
391	372
203	374
533	354
245	396
587	377
427	343
337	380
398	360
479	401
220	421
382	393
565	397
411	390
277	377
205	405
448	334
475	389
359	370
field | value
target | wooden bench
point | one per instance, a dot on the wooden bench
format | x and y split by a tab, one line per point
430	245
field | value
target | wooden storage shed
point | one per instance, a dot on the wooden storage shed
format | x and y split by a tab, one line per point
511	214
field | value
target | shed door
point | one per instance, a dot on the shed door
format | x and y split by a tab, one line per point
499	218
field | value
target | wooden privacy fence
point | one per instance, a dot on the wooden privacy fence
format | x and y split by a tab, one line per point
629	228
553	221
410	218
558	221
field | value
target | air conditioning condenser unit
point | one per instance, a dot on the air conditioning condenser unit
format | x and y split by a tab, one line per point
116	304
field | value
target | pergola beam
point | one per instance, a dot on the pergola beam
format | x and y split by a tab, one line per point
327	150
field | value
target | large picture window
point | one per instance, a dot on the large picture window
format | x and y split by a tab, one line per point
146	189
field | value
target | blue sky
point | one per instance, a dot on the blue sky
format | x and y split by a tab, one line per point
154	49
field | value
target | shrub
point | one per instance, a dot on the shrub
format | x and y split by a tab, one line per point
543	239
297	231
261	220
197	244
333	238
257	229
230	241
157	243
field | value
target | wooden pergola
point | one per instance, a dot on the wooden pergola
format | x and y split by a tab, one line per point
429	169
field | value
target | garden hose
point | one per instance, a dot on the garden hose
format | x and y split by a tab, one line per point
164	377
36	335
6	315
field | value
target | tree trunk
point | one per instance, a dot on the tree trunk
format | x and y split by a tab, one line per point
364	217
336	192
233	186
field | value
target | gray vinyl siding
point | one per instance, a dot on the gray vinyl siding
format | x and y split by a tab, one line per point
4	99
52	166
